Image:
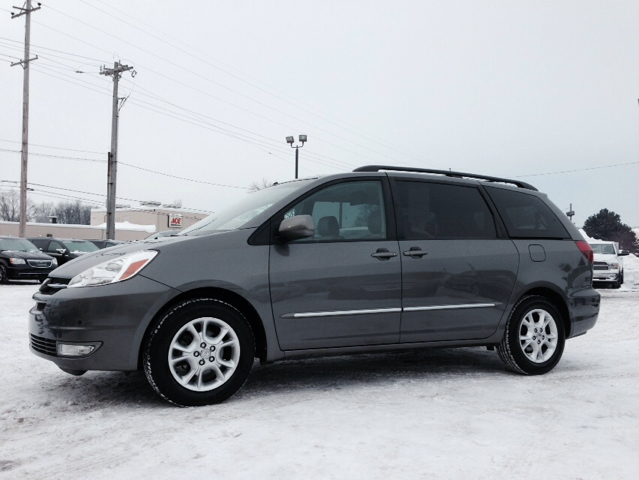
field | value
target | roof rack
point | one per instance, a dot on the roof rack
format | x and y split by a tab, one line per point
448	173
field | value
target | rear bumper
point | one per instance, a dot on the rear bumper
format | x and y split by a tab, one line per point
113	317
584	311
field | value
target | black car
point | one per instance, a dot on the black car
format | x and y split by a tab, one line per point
21	260
106	243
63	249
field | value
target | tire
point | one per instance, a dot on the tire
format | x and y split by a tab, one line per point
521	349
617	283
3	274
621	279
190	368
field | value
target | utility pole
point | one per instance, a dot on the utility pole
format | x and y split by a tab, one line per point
570	213
112	175
25	113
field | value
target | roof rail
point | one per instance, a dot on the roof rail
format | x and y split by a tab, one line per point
448	173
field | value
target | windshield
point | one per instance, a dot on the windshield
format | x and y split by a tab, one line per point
17	245
79	246
238	214
605	248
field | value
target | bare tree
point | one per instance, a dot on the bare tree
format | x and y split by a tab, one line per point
42	211
10	206
177	203
257	186
73	213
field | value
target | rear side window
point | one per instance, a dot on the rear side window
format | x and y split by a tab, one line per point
526	216
435	210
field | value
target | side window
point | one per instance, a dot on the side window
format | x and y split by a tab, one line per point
435	210
53	246
39	243
345	212
525	215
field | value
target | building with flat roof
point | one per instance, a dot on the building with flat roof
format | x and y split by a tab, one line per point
162	217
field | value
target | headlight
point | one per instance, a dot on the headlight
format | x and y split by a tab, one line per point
17	261
112	271
54	262
614	265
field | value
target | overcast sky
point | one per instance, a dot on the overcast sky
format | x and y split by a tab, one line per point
505	88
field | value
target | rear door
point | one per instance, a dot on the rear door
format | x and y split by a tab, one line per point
341	287
457	273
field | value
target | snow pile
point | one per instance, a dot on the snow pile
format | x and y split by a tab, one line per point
129	226
630	272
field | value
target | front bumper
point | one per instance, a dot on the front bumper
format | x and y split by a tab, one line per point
606	275
113	317
27	272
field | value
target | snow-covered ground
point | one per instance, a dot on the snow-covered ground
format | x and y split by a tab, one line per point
433	414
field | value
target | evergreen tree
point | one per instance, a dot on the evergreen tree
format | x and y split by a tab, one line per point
607	225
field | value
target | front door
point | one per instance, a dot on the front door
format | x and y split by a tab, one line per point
457	274
341	287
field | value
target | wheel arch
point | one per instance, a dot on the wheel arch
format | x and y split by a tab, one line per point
227	296
557	300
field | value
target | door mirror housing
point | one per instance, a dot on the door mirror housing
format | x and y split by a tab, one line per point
61	251
294	228
623	253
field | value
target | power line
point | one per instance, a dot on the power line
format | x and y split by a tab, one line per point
55	148
99	203
205	78
56	156
386	145
60	51
578	170
201	126
181	178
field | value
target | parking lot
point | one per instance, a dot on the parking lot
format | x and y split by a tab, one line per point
433	414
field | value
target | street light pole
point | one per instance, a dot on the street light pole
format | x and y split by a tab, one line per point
290	141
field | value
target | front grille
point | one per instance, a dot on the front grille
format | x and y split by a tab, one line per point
44	345
53	285
600	266
39	263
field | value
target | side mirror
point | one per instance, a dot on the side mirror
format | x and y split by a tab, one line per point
623	253
294	228
61	251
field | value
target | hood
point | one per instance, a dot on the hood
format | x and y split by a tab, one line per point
84	262
25	255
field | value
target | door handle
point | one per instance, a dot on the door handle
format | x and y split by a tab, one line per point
383	254
414	252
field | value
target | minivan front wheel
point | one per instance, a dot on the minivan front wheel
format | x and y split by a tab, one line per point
535	337
200	353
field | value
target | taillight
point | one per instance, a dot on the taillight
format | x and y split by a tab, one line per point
586	250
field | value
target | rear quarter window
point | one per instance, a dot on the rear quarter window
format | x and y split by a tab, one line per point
526	216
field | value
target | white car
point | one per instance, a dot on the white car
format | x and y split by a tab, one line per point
608	267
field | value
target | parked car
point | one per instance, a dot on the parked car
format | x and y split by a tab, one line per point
106	243
21	260
382	258
608	267
63	249
165	233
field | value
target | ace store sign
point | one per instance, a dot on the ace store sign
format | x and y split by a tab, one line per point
175	221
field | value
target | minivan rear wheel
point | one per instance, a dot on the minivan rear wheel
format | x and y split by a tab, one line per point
534	339
200	353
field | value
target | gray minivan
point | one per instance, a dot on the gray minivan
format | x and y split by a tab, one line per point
382	258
